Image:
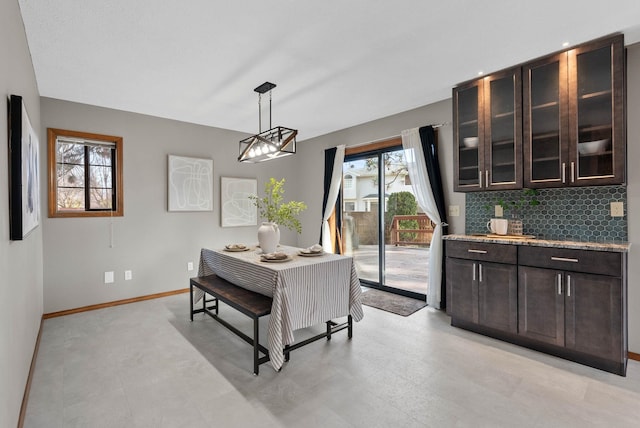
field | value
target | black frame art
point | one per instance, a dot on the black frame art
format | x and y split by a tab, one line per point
24	176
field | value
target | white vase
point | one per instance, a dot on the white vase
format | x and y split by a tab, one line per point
268	237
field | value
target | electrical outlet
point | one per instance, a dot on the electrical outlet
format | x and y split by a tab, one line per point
108	277
190	266
499	211
128	275
454	210
617	209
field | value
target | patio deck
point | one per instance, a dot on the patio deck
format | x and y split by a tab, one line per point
406	267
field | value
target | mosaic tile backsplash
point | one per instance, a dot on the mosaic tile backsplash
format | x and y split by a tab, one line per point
575	214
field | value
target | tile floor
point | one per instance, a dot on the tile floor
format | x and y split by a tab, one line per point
145	365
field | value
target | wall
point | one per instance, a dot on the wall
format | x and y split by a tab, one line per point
20	261
154	244
633	192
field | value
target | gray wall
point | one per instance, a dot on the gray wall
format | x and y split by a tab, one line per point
633	192
149	240
20	261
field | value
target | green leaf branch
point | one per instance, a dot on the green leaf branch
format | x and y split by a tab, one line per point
272	208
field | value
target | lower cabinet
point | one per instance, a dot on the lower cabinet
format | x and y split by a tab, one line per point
570	303
482	284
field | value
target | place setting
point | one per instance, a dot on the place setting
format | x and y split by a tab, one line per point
235	248
275	257
313	251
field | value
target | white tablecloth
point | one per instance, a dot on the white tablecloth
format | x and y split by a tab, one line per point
306	291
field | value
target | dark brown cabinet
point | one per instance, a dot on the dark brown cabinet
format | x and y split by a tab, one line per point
482	284
488	132
557	121
574	130
567	302
574	299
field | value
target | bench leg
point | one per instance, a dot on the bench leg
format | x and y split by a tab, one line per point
256	341
286	352
191	301
328	330
350	328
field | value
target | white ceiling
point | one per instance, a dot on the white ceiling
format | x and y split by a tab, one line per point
337	63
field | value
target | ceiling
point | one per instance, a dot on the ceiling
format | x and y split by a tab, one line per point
336	63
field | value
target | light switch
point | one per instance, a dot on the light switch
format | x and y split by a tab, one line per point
499	211
128	275
617	209
190	266
454	210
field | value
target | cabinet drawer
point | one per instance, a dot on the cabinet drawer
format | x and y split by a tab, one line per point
597	262
485	252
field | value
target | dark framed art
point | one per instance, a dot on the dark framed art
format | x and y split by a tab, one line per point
24	177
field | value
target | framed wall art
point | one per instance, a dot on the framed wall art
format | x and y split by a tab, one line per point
236	209
190	184
24	176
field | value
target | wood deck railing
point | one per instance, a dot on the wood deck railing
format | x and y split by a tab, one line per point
420	236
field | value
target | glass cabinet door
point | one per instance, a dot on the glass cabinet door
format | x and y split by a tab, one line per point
468	129
503	125
596	127
545	122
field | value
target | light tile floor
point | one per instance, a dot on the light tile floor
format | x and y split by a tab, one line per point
146	365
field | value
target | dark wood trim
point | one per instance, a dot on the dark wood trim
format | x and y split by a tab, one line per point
27	388
633	356
391	142
114	303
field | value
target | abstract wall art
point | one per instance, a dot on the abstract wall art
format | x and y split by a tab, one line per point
190	185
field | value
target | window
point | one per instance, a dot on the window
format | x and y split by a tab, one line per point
349	206
348	181
85	174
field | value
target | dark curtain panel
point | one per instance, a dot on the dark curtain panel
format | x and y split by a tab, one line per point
329	159
430	149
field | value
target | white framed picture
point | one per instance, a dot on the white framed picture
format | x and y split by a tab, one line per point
236	208
190	184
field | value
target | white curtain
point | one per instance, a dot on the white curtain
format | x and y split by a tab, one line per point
424	196
336	179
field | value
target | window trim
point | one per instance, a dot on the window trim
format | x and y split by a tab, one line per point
52	137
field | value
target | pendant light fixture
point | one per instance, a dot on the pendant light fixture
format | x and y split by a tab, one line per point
274	143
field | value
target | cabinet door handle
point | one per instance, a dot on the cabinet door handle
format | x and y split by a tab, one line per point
486	178
480	270
474	271
568	285
573	171
564	259
471	250
480	178
559	282
564	172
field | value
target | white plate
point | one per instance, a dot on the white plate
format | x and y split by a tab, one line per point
236	250
288	259
310	254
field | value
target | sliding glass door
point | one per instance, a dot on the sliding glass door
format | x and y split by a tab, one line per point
384	230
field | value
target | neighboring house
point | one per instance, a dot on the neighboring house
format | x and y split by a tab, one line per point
360	187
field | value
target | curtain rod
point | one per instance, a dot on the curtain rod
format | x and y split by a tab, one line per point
436	125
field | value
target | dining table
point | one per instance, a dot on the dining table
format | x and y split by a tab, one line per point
307	288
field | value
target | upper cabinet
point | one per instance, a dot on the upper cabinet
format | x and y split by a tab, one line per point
574	131
488	131
554	122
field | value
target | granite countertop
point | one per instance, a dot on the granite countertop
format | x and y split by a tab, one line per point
617	247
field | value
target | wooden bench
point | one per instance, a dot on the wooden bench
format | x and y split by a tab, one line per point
252	304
